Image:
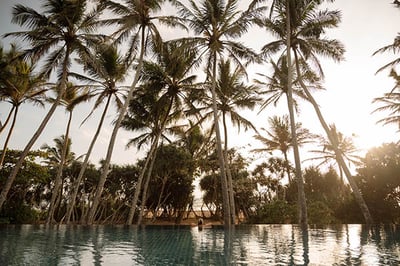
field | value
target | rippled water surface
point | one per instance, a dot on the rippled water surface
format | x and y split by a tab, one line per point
184	245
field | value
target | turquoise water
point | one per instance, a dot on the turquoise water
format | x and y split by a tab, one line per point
185	245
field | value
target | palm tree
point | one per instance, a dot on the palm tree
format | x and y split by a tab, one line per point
144	115
232	96
135	20
60	30
279	138
170	81
21	85
71	98
217	24
276	85
395	48
57	157
53	153
307	25
280	20
327	153
106	69
390	102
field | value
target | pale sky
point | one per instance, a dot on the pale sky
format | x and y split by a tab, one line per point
350	87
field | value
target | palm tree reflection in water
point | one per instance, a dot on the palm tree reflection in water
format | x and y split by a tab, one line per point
186	245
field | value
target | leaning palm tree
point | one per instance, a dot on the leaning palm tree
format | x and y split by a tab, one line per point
279	138
21	85
135	21
307	26
56	33
170	80
284	82
73	96
146	115
107	69
328	155
216	24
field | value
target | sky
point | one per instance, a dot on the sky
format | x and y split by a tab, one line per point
351	85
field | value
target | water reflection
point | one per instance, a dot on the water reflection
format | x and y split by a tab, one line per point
182	245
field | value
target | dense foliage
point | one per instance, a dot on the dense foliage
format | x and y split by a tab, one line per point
261	194
174	114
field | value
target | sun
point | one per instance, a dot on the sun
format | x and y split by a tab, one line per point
371	137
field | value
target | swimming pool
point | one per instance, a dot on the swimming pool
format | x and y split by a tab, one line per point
185	245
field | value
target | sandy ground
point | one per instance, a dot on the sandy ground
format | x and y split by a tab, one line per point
189	221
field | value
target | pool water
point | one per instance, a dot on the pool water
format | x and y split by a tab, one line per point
185	245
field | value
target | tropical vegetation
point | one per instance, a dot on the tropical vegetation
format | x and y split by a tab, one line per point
182	99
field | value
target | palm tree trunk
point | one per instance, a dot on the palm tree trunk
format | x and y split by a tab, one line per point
357	194
104	174
229	174
302	205
140	180
36	135
58	180
153	158
3	126
78	180
146	186
3	155
164	182
224	185
139	184
285	156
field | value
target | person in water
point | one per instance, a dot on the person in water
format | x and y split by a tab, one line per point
201	224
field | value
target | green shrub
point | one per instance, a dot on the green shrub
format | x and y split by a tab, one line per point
277	212
320	213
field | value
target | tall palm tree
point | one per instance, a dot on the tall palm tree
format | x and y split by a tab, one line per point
71	98
327	153
144	115
107	69
279	138
280	24
216	24
19	86
307	26
135	21
56	33
277	86
170	79
232	96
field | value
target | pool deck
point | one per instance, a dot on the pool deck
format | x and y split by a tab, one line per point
189	221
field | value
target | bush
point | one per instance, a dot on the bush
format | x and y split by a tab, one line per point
22	214
277	212
320	213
